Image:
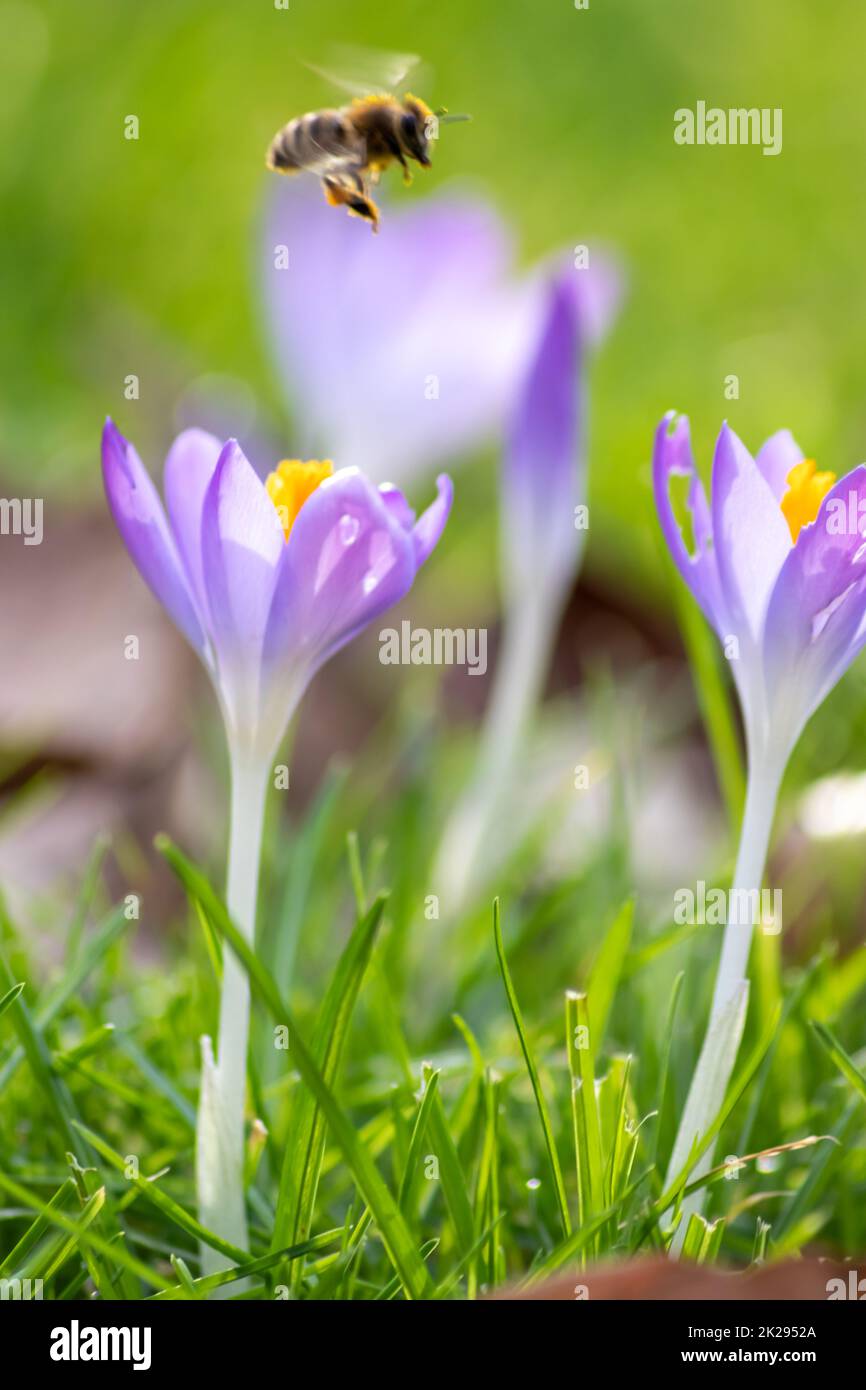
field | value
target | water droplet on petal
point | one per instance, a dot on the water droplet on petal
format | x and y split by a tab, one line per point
370	582
347	529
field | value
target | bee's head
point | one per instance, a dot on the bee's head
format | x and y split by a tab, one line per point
416	125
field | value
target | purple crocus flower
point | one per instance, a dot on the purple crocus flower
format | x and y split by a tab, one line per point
777	567
397	352
266	581
777	562
544	521
264	611
544	467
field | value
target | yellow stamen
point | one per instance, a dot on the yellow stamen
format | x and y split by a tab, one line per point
806	491
292	482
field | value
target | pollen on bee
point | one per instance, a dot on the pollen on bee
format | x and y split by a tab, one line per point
291	484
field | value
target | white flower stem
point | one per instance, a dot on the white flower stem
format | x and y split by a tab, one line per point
520	674
521	668
758	816
727	1015
220	1131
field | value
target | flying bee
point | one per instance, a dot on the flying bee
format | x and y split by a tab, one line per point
349	148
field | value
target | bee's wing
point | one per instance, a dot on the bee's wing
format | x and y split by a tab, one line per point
341	153
360	71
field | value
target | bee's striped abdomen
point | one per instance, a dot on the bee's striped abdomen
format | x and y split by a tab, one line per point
311	142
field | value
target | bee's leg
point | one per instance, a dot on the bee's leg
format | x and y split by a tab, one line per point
341	193
407	172
335	194
396	152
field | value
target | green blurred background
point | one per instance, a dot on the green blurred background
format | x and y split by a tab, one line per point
138	256
127	256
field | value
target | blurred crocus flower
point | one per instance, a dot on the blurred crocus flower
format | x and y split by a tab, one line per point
543	513
777	561
401	351
266	581
544	519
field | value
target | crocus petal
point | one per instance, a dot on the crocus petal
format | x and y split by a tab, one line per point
397	505
543	434
600	287
815	617
189	467
750	536
431	523
672	457
138	513
541	472
401	350
347	560
776	457
242	543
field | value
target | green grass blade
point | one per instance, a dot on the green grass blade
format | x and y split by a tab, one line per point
702	1239
78	971
250	1268
303	1159
454	1275
10	996
623	1145
665	1065
299	877
804	1199
487	1210
158	1080
86	894
203	1286
419	1133
789	1006
736	1089
541	1104
392	1288
587	1124
455	1188
108	1282
69	985
395	1234
91	1043
847	1066
167	1205
91	1210
605	974
111	1249
581	1159
35	1049
38	1228
185	1279
583	1237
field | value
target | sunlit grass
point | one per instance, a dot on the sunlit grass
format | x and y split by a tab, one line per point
516	1119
